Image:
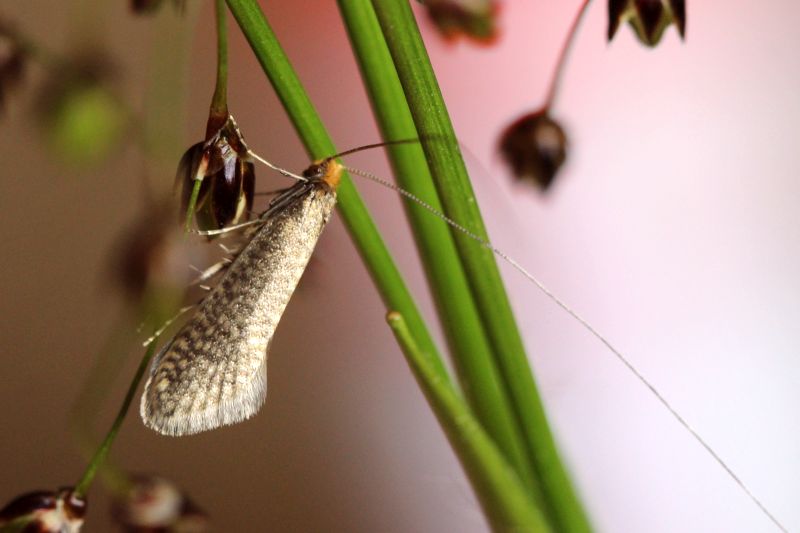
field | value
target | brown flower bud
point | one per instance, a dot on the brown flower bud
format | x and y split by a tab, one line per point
150	6
227	177
45	512
535	147
152	254
154	504
12	64
475	19
648	18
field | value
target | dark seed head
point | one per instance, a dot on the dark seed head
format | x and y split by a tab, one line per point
535	147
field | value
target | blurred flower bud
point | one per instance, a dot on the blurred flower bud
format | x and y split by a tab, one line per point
535	147
145	6
150	262
471	18
83	120
12	64
648	18
146	254
44	512
227	177
155	504
150	6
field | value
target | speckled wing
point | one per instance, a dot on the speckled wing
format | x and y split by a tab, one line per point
213	372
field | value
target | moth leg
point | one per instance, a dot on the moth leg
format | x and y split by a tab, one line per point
272	192
210	272
168	323
229	229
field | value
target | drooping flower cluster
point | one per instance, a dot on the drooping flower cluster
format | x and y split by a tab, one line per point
648	18
535	147
227	178
43	511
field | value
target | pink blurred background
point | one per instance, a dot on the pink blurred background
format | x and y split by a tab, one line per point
673	229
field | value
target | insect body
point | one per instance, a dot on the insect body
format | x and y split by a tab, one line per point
213	371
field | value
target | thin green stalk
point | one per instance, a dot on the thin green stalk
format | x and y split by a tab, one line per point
354	213
102	452
219	102
218	113
467	339
563	55
505	501
452	182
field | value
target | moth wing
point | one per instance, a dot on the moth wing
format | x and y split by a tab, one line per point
207	376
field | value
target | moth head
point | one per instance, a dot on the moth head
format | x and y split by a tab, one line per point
325	170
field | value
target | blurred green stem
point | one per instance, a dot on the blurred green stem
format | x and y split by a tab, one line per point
102	452
563	55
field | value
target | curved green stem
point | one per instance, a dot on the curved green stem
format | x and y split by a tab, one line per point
563	55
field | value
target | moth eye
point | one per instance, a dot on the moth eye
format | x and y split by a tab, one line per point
314	171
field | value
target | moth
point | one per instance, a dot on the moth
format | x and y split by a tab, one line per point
213	372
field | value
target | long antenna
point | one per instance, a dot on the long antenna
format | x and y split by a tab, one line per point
582	321
370	146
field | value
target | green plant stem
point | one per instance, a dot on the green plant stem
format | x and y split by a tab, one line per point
467	339
102	452
505	501
218	113
354	213
94	391
452	182
219	102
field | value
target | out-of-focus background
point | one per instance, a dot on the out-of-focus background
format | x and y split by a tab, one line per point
674	229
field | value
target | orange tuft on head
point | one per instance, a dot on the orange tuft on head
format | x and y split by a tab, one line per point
333	173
